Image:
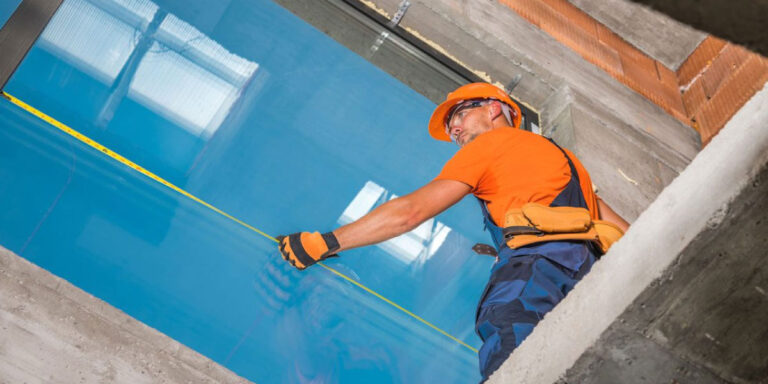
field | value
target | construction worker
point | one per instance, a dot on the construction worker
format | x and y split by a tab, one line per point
537	201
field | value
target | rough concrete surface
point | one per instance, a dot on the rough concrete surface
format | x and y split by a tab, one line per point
657	35
490	38
53	332
739	21
689	277
623	356
586	129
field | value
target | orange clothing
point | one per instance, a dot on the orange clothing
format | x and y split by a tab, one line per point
509	167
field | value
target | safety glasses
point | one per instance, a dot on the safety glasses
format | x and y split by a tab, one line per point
457	113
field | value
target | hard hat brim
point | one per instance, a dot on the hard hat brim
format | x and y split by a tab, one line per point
437	121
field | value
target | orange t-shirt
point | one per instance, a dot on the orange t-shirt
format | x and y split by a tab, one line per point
510	167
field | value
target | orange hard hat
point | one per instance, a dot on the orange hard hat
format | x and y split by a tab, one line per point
473	91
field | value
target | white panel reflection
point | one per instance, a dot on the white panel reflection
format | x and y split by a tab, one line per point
190	79
193	44
90	38
416	246
182	74
181	91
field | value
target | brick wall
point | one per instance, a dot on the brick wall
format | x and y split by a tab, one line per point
716	80
710	86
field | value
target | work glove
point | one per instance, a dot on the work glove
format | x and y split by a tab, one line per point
304	249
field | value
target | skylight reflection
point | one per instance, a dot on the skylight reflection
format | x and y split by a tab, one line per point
184	76
89	38
416	246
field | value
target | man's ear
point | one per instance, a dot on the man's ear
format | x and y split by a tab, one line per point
494	110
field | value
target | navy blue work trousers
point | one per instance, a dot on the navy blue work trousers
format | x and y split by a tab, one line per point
525	284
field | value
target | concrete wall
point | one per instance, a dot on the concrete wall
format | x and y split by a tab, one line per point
682	297
53	332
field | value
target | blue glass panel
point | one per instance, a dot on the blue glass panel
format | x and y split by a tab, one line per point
254	111
6	9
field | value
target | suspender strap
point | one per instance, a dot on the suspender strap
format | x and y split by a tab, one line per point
571	196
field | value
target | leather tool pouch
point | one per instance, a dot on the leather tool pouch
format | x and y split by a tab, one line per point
608	233
535	223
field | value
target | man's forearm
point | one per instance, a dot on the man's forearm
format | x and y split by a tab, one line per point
608	214
389	220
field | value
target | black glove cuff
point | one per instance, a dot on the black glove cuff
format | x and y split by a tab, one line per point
331	242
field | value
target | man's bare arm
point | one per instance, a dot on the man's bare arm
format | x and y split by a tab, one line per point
402	214
608	214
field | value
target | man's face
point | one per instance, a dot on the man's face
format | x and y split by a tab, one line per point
469	120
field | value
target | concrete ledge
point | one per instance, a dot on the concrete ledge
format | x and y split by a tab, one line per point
657	35
740	21
51	331
689	279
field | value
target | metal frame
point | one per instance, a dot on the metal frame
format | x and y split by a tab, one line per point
21	31
529	116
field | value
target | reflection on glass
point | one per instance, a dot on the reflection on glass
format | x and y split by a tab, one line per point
196	94
416	246
273	122
92	39
155	58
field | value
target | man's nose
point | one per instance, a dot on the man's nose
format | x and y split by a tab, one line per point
454	129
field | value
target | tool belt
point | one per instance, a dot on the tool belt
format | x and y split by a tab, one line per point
535	223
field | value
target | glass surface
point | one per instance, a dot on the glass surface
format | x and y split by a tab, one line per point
249	108
6	9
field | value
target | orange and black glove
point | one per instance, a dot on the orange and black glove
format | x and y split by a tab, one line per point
304	249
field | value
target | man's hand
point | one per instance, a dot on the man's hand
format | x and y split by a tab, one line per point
304	249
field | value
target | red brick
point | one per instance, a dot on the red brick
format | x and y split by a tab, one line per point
694	97
681	117
667	76
642	75
637	66
730	59
701	57
568	33
583	43
732	95
574	15
646	86
607	37
674	100
600	46
531	10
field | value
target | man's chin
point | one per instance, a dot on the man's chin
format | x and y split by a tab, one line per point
466	140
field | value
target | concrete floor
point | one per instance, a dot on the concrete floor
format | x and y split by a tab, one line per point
54	332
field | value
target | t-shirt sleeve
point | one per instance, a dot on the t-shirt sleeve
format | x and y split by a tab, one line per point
468	166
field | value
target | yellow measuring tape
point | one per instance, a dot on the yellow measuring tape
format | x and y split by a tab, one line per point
85	139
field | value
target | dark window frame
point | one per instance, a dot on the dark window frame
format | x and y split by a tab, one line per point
529	116
20	33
